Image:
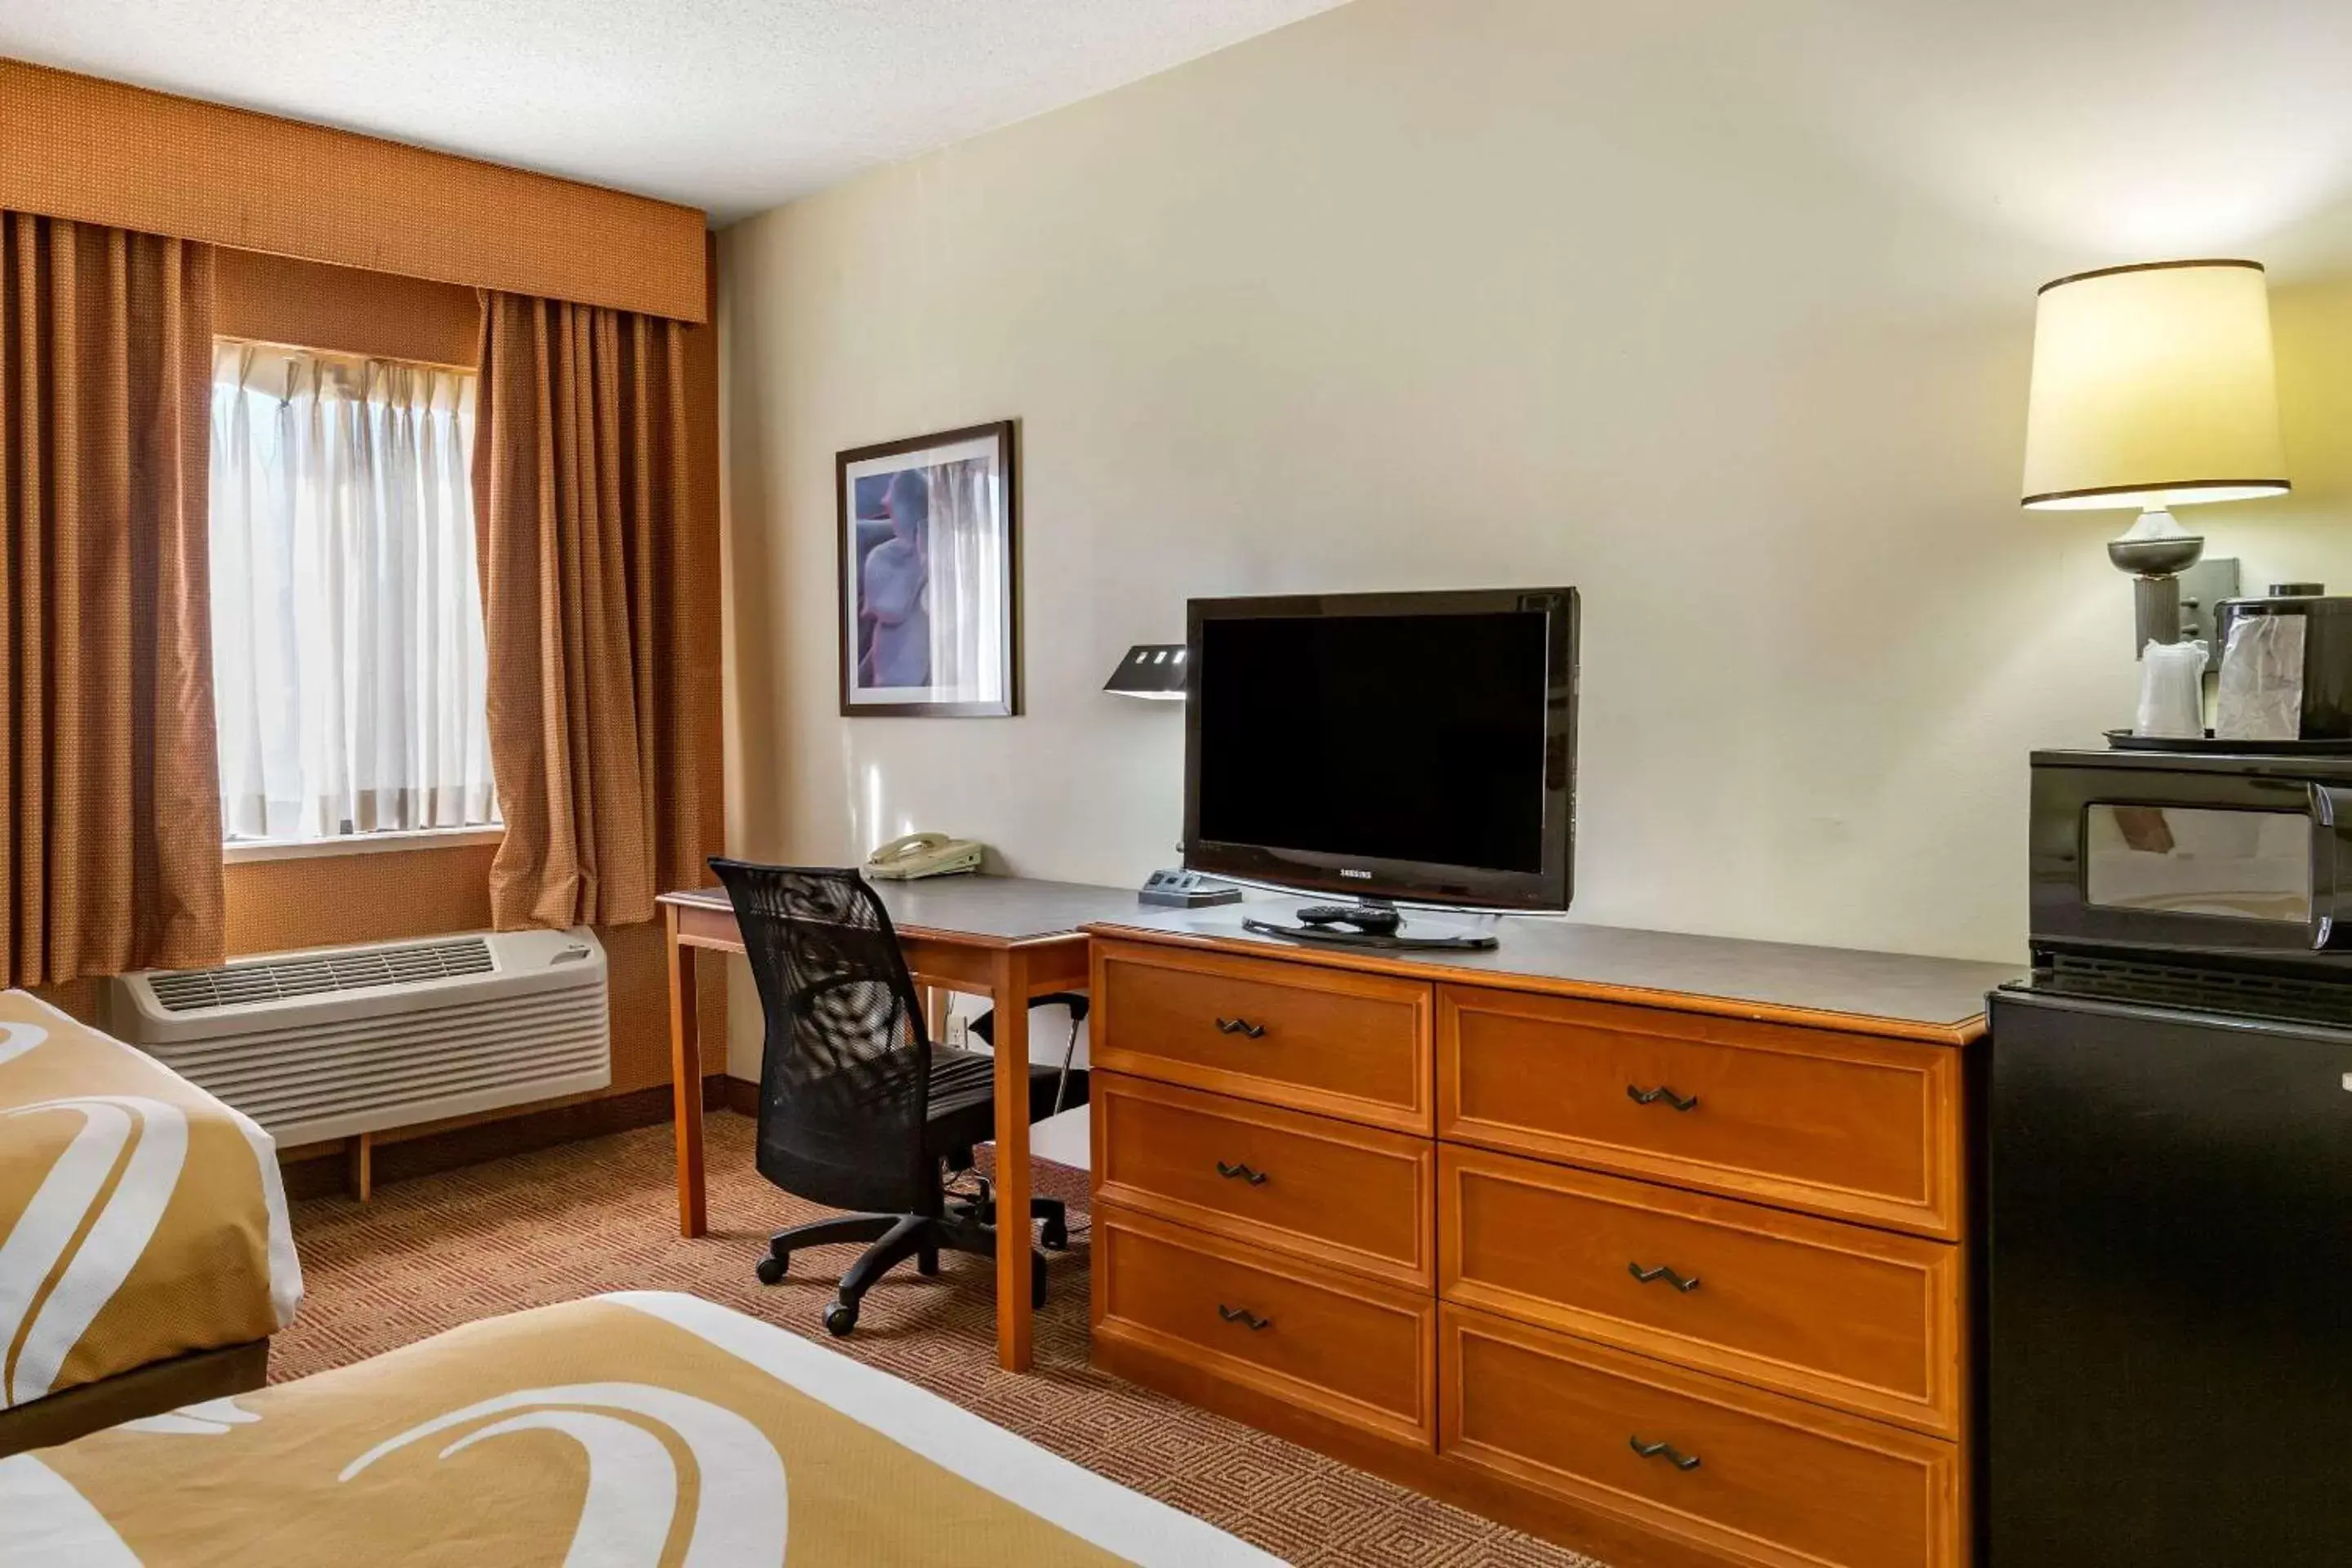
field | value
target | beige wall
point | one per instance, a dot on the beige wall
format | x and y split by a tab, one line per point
1719	310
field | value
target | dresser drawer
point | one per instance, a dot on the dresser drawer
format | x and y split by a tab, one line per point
1343	1346
1851	1126
1815	1308
1354	1197
1326	1040
1750	1475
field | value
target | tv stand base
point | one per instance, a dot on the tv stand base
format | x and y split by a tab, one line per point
1430	939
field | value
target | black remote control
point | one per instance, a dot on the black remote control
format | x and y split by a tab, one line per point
1371	918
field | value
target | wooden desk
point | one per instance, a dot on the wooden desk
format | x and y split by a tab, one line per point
1004	938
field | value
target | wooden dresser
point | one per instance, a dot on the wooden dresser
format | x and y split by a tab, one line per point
1653	1245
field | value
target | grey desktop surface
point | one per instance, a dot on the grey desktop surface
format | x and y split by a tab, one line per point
1006	909
1896	987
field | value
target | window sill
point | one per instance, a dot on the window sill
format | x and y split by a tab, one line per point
243	850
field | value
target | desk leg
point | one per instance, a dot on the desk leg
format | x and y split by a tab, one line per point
1012	1312
685	1083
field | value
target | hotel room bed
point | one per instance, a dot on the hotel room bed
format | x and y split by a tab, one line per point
145	1254
641	1427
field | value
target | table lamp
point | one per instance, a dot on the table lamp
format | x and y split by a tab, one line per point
2154	387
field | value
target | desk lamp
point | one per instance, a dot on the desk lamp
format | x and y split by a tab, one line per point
1151	669
2154	387
1157	670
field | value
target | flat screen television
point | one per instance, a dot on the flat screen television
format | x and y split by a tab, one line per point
1415	748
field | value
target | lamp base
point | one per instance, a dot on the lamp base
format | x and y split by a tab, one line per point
2155	612
2154	550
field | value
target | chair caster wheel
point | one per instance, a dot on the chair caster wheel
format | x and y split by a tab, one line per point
771	1270
839	1318
1055	1236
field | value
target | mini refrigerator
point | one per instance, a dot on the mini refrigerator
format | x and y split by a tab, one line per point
2170	1289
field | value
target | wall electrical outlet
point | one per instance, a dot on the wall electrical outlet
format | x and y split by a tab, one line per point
959	1031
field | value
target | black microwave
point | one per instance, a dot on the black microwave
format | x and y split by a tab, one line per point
2198	857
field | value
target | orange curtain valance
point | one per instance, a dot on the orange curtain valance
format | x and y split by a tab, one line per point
100	152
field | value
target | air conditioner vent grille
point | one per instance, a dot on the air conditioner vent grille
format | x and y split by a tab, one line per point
350	969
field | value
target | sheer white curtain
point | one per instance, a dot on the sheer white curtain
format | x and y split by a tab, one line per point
347	621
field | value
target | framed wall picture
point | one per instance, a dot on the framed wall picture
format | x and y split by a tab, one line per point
930	598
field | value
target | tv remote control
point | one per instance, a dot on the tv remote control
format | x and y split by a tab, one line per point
1363	917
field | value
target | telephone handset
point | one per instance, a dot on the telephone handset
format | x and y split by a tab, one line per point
923	855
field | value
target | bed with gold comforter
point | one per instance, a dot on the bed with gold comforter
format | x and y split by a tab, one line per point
140	1219
640	1429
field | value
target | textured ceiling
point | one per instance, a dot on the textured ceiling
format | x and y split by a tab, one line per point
728	105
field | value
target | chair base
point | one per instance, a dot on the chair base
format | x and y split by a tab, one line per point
968	1225
1054	1235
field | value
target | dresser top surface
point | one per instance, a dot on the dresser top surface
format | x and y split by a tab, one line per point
1939	995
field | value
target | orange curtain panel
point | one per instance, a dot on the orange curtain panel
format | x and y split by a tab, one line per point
581	466
111	854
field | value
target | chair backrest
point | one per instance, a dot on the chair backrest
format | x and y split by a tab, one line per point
844	1074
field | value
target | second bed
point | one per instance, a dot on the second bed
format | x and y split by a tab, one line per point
638	1428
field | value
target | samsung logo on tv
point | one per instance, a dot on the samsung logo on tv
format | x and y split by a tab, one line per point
1359	875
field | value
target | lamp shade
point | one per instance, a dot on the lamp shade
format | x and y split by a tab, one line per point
2153	386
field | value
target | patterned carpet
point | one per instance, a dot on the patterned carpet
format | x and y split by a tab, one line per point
598	1215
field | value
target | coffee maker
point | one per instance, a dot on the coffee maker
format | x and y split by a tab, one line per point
2309	696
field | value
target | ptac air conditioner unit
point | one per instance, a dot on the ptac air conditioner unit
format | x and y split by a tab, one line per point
330	1042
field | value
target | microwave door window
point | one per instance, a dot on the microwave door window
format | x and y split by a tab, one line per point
2184	860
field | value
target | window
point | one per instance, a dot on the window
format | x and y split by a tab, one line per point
348	664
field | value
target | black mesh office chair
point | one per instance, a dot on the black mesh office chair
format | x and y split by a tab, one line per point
858	1110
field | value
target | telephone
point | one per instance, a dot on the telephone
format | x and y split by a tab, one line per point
924	854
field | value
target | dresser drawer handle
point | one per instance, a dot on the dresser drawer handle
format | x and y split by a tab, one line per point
1240	1027
1652	1097
1245	1316
1684	1285
1665	1451
1255	1178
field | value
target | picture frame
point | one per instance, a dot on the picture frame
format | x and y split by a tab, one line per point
929	579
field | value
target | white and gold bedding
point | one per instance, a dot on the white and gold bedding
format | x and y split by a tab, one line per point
635	1429
140	1218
